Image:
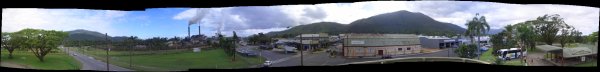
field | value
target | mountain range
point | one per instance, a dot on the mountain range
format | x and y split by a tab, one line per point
402	22
86	35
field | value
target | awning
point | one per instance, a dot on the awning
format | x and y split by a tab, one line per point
548	48
577	52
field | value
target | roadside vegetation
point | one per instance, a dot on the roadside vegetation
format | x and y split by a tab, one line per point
158	56
54	61
37	49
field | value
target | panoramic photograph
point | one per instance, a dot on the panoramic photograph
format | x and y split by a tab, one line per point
325	34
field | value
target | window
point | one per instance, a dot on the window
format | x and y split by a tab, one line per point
408	48
399	49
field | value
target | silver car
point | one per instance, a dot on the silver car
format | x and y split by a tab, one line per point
267	64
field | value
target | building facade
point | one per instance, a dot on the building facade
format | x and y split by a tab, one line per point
438	42
373	45
312	41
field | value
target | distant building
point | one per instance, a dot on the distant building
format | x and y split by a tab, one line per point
372	45
438	42
312	41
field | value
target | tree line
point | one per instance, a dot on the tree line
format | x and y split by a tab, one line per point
546	29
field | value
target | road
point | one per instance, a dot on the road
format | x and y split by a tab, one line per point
89	63
269	55
321	59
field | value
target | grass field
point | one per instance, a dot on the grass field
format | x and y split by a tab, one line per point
488	56
52	61
176	60
514	62
588	64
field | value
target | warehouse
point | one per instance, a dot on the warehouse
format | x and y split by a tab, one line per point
374	45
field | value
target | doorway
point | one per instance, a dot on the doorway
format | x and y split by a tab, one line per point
380	52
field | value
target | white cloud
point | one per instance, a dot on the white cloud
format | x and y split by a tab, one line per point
585	19
187	14
15	19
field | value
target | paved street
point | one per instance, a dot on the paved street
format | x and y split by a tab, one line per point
535	59
320	59
269	55
89	63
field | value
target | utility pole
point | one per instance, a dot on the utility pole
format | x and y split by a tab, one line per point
108	48
131	51
301	51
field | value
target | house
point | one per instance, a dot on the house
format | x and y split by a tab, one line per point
373	45
438	42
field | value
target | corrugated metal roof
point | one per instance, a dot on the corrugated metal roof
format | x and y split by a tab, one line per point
547	48
382	36
576	52
313	35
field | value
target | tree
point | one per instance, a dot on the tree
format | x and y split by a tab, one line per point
525	34
592	37
234	45
547	27
566	35
477	26
41	42
175	42
466	51
10	42
235	37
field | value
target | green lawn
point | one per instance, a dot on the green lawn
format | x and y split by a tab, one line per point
588	64
488	56
180	60
514	62
52	61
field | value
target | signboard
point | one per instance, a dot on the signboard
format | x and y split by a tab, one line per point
357	42
196	49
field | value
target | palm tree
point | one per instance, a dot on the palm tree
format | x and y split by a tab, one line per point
476	27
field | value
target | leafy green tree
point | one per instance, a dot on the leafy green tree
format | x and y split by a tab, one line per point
10	42
592	37
525	34
548	26
41	42
466	51
566	35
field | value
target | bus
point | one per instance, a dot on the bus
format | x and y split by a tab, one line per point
511	53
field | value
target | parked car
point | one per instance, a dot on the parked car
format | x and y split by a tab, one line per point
267	63
251	54
386	57
266	47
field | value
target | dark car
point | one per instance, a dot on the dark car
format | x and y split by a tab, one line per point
251	54
265	47
386	57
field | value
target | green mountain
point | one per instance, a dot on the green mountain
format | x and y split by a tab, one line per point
320	27
403	22
81	35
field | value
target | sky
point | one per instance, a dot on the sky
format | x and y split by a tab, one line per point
248	20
